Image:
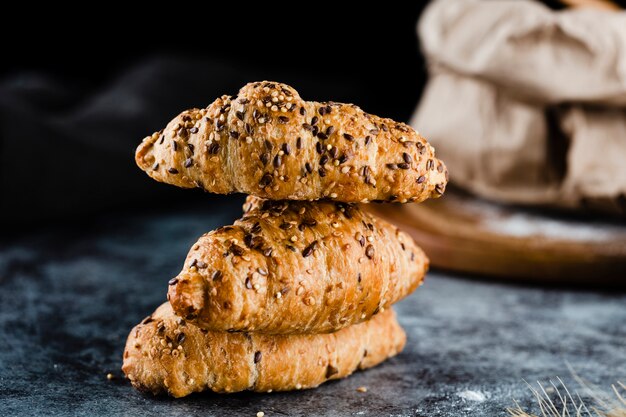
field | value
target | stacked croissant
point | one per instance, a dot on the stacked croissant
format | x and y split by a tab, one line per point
298	290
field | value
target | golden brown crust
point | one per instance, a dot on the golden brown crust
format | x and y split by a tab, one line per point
296	267
270	143
164	354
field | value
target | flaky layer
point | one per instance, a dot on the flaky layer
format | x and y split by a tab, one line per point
165	354
296	267
270	143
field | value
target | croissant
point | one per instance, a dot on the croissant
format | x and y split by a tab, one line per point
166	354
296	267
270	143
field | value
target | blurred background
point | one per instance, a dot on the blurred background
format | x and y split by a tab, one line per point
71	116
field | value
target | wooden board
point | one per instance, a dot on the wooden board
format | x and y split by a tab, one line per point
463	233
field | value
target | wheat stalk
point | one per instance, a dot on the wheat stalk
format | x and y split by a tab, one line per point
563	404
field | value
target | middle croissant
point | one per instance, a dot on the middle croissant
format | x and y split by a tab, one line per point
296	267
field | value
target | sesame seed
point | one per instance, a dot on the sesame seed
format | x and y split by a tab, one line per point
172	281
217	275
110	376
321	172
314	120
369	251
333	195
392	166
256	286
257	358
407	158
345	169
262	271
155	166
293	238
421	179
362	389
188	162
404	165
172	171
329	147
348	137
274	108
279	295
260	414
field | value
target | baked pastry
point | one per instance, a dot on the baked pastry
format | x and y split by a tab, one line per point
165	354
270	143
296	267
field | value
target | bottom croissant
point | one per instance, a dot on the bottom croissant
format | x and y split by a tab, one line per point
164	354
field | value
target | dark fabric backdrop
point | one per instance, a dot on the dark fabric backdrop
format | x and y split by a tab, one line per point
71	115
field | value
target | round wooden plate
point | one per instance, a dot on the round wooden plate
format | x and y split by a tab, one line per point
463	233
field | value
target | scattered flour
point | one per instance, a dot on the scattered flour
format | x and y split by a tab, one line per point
472	396
525	223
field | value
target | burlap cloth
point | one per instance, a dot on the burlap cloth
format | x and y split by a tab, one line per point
525	104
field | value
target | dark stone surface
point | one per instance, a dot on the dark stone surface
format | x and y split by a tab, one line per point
70	295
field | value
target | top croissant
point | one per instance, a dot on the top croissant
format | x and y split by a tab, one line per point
270	143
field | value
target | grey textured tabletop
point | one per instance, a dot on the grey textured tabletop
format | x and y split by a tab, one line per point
70	295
